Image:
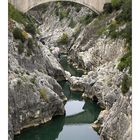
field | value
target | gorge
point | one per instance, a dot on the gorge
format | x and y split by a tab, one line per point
69	71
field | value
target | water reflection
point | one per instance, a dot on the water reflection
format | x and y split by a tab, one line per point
74	107
48	131
78	132
79	114
75	125
88	114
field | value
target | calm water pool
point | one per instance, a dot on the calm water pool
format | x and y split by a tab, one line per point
75	125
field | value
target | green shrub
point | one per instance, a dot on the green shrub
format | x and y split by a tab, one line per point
30	44
127	34
56	12
126	14
126	61
63	40
63	13
33	80
114	34
29	52
87	19
78	7
116	4
112	31
72	23
30	28
20	47
124	17
126	83
101	30
17	33
43	93
17	15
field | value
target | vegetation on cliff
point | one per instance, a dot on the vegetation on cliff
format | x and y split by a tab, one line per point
124	20
17	15
25	34
63	40
125	17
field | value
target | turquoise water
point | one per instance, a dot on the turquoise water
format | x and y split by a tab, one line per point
75	125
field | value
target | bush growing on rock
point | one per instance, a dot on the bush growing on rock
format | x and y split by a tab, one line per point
87	19
30	47
126	13
126	61
43	93
63	40
116	4
17	33
125	17
113	33
29	52
33	79
126	33
20	47
101	30
72	23
17	15
30	43
63	13
30	28
78	7
126	83
56	12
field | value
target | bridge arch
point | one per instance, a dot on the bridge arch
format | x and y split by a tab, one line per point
25	5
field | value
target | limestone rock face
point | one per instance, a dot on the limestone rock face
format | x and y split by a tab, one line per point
92	49
34	95
53	67
52	28
87	48
117	124
98	54
33	100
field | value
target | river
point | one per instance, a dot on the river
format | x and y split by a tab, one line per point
75	125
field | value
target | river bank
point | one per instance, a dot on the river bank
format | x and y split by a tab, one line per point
79	115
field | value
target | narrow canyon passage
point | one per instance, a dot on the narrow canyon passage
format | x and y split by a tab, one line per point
76	124
70	72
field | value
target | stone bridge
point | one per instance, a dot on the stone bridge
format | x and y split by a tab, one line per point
25	5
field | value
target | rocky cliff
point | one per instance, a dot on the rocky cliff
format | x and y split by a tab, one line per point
34	94
99	45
